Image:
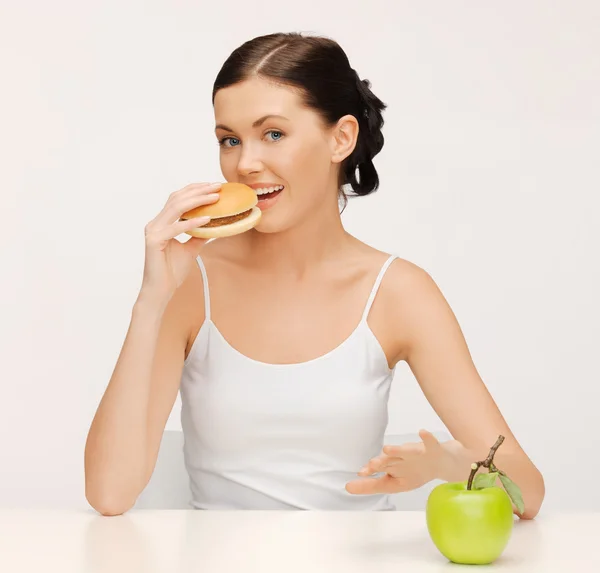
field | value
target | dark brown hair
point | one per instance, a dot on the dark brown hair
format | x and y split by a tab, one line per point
320	70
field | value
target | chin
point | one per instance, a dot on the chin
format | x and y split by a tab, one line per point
269	227
277	222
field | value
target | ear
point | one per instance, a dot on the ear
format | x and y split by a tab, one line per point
343	138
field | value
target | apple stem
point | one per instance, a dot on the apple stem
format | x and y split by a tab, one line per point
487	463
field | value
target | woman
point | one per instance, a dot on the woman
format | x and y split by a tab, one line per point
283	340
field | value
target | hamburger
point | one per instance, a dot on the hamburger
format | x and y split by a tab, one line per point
235	212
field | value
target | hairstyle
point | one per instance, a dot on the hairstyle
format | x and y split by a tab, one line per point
318	68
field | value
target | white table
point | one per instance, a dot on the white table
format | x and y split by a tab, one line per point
146	541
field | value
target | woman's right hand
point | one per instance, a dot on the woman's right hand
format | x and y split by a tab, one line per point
167	261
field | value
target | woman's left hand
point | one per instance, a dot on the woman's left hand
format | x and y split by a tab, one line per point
406	467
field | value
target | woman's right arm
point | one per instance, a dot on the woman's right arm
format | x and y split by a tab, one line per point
125	434
124	438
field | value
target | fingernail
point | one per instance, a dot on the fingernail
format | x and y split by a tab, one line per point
214	185
213	195
363	470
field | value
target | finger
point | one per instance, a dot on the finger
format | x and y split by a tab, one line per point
190	186
369	486
429	440
380	465
171	214
404	451
391	466
189	202
184	200
179	227
195	190
373	463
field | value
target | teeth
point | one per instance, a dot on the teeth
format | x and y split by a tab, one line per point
268	190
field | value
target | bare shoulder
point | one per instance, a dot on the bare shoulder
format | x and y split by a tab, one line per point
413	300
405	275
409	289
406	292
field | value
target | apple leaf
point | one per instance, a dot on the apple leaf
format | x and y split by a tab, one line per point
484	480
513	491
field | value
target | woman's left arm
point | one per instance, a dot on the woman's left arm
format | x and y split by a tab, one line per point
438	356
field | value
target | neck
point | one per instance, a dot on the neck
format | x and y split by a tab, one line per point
302	248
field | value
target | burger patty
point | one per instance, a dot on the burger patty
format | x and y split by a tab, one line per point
218	221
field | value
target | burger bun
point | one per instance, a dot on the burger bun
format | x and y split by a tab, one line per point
234	199
228	230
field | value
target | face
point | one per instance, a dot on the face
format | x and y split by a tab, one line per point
296	150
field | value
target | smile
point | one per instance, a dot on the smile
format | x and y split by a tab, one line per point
268	197
268	191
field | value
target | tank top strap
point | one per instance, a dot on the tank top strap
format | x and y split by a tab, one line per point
375	288
206	290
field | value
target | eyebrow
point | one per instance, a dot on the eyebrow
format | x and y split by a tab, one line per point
257	123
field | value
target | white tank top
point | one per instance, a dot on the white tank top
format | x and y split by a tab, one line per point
283	436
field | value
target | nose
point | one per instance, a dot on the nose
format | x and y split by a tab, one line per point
249	161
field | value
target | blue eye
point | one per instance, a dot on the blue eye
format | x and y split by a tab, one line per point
275	131
224	139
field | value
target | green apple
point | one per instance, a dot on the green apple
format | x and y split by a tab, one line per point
469	526
471	521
